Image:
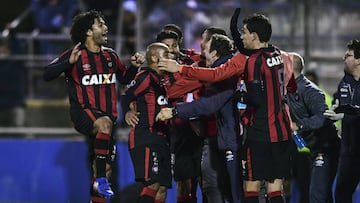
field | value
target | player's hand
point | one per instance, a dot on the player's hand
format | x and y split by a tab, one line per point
137	59
132	118
333	116
334	106
169	65
164	114
75	54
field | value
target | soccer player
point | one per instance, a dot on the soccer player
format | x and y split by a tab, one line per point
266	152
91	71
185	142
148	141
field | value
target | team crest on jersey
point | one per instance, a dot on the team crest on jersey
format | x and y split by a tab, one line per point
110	64
86	67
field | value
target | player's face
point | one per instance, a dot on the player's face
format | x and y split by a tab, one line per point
173	47
99	32
209	56
164	53
349	61
204	40
247	37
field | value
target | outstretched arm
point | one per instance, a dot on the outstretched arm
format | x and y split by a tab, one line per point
234	66
200	107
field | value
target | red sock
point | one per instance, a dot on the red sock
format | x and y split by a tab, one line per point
276	197
97	199
148	192
251	197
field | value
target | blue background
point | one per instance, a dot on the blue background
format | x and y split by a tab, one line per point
55	171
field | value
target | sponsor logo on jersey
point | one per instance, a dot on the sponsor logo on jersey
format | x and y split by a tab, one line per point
86	67
274	61
99	79
162	100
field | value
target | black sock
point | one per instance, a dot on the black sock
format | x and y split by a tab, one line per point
101	150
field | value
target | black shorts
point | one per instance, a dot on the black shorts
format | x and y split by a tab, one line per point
83	120
152	164
187	149
266	161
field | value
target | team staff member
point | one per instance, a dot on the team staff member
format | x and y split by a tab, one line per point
264	79
307	106
217	51
148	141
348	173
91	72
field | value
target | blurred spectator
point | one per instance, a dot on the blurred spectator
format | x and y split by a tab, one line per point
186	14
53	16
128	29
108	8
313	76
13	82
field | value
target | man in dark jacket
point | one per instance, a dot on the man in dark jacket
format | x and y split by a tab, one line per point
307	106
347	98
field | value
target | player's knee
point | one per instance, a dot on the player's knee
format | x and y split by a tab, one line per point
104	125
161	193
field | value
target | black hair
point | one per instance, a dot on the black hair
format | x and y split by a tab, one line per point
214	30
174	28
222	44
260	24
167	34
355	46
82	23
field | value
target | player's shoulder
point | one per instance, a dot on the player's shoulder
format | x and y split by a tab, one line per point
143	72
63	56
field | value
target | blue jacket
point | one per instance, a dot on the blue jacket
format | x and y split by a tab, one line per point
226	118
349	93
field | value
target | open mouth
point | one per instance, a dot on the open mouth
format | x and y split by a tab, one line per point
105	36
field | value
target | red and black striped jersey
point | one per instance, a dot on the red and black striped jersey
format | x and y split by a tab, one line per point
148	95
92	80
266	117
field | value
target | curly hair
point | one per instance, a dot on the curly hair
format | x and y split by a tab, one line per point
82	23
